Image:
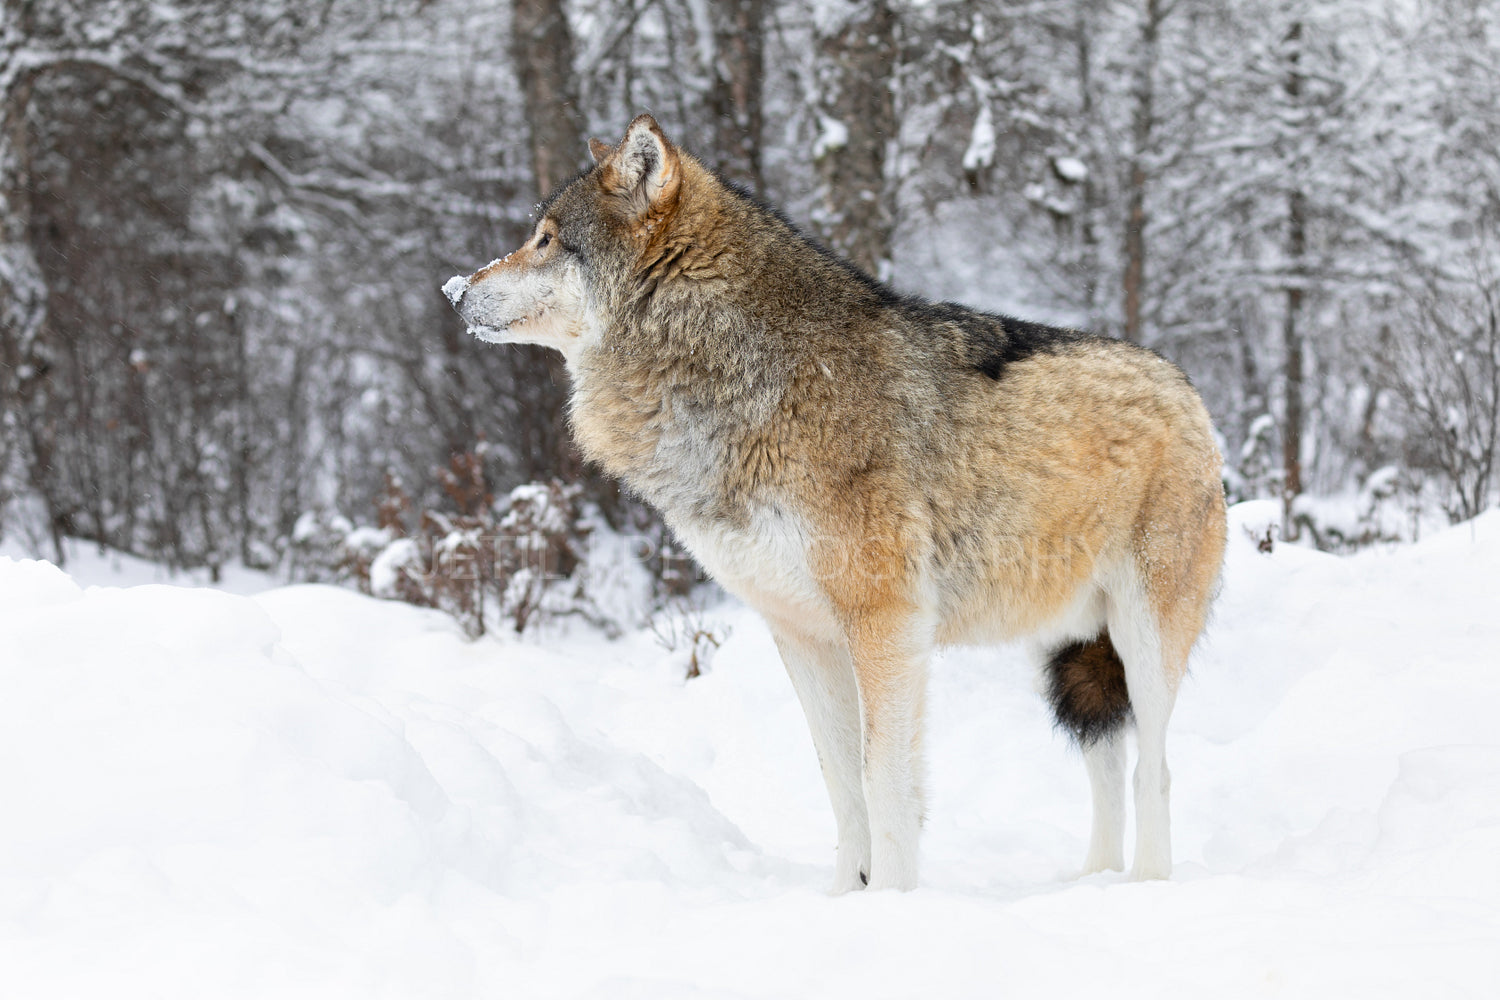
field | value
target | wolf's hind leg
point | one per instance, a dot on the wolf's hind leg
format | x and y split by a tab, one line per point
1153	691
823	676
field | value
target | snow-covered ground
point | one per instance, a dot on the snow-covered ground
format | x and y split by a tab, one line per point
95	566
309	793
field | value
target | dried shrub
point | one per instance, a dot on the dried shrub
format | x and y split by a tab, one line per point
538	553
516	562
682	626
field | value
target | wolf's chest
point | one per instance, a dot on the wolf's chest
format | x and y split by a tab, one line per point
764	562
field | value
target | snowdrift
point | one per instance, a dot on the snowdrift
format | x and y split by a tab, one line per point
309	793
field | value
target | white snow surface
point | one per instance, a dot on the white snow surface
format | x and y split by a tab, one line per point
94	565
310	793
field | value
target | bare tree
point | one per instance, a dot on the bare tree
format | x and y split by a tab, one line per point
1142	124
1445	371
38	41
857	119
1296	268
542	51
541	46
735	100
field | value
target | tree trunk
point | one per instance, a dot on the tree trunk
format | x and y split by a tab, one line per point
244	452
542	48
23	296
1291	334
1143	123
24	368
739	69
858	119
1083	50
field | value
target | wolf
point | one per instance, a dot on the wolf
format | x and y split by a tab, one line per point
878	476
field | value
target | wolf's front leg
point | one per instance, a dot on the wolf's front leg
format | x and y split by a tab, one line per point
823	677
890	656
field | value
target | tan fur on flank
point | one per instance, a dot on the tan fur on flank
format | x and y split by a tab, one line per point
876	475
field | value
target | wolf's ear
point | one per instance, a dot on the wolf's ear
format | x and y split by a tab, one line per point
600	150
645	169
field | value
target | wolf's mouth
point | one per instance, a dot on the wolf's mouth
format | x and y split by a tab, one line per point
491	334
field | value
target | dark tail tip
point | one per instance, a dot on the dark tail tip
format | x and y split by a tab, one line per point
1086	685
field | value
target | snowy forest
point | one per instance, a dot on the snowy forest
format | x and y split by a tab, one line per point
329	669
223	228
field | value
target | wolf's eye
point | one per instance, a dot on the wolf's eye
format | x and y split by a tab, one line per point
541	244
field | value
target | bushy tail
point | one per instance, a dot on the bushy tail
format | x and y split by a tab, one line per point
1086	685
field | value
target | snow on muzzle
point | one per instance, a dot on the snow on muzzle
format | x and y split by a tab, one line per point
455	287
486	310
515	300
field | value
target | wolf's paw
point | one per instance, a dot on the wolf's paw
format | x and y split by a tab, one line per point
1151	869
898	879
843	883
1093	865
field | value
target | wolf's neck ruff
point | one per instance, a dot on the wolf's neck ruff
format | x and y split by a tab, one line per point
686	394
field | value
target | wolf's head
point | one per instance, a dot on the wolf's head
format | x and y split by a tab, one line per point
554	289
